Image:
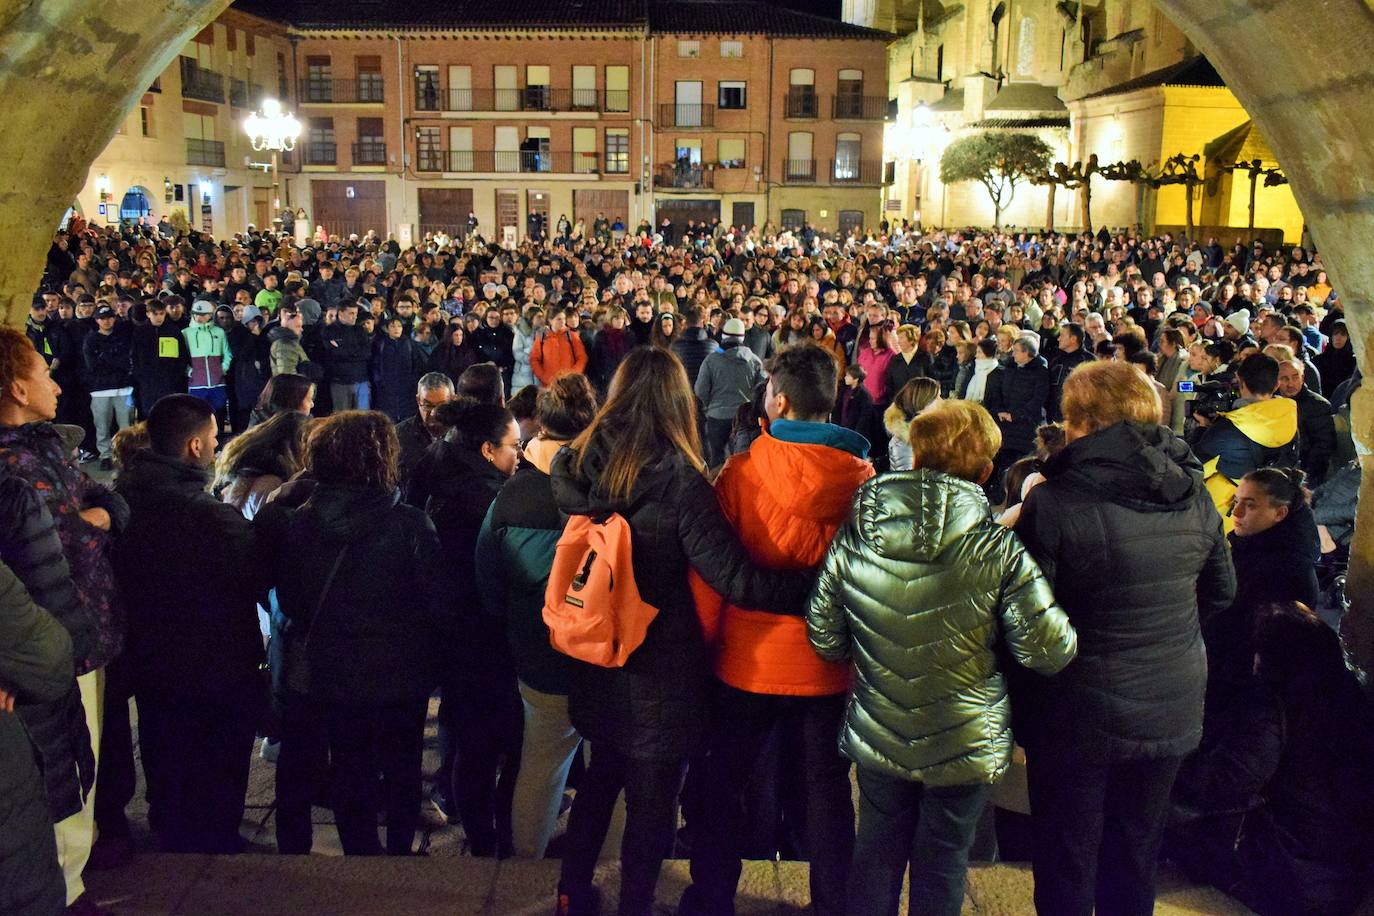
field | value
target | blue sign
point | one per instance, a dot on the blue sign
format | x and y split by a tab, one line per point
102	209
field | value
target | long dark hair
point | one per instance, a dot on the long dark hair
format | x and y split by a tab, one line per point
650	412
283	392
471	422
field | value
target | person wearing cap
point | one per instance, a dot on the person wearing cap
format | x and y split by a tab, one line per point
252	352
107	360
159	357
207	346
726	381
1236	328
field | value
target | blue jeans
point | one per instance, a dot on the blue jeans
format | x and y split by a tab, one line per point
928	827
351	396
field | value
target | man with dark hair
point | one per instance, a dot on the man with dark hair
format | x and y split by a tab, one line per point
483	382
786	497
160	358
1259	431
1067	358
347	352
194	643
693	345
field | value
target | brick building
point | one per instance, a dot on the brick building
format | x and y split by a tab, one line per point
415	115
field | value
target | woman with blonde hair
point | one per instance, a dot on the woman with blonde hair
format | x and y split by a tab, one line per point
1126	532
915	398
641	457
926	594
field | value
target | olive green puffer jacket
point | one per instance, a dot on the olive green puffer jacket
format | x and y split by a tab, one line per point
921	588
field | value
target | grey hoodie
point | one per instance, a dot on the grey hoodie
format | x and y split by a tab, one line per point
727	380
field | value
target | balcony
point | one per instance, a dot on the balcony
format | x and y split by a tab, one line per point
515	161
370	152
856	172
801	102
320	154
205	152
674	114
674	175
196	83
367	89
529	98
859	108
799	171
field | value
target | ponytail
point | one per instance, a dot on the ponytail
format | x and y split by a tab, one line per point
1283	486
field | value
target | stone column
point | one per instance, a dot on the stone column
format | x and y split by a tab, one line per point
1310	116
70	72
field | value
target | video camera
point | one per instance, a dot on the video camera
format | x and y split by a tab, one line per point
1210	398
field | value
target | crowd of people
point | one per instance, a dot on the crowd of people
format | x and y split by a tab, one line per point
918	510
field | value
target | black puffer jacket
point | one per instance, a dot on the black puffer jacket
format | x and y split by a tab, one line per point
1022	393
1127	534
655	706
193	622
31	548
373	643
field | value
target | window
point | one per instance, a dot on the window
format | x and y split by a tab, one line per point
371	147
537	81
800	164
429	155
319	80
145	120
507	92
793	219
801	94
732	49
370	82
320	148
282	88
617	150
849	94
584	88
459	87
690	49
460	157
847	147
732	95
584	150
618	88
730	153
427	87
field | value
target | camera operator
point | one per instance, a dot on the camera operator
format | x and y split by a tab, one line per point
1258	431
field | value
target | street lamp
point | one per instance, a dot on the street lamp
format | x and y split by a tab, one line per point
273	129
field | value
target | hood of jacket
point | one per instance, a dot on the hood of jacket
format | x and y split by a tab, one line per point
896	421
912	516
813	481
1272	423
1141	466
281	333
349	513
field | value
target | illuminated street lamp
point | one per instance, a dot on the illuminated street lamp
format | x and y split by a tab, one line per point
273	129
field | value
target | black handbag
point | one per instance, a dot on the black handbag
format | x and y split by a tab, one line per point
297	660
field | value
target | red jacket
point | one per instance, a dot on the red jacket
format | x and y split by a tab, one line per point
553	354
785	500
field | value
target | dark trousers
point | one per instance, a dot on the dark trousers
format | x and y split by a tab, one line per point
651	788
115	775
481	741
717	434
908	824
362	741
196	752
1098	829
743	723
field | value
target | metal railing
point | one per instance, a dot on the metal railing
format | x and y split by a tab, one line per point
516	161
674	114
801	102
369	152
366	89
847	107
204	152
678	175
856	171
429	97
799	171
196	83
319	153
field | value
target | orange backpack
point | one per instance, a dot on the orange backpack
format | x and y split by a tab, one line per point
592	605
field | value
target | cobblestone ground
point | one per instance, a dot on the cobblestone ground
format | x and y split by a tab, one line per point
448	882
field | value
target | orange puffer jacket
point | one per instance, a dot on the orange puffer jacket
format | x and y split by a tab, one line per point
553	354
786	500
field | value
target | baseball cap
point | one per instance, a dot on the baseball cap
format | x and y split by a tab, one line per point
202	307
105	312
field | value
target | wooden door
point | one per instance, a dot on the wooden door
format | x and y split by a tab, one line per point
587	203
742	214
349	207
507	216
445	210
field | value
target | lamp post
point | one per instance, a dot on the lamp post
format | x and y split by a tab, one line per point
273	128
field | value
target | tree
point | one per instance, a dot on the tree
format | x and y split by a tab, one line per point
1071	177
997	161
1273	178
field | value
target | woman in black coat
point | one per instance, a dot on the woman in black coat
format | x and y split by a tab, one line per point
1275	548
1126	532
481	716
397	364
1276	808
641	458
358	652
1336	362
454	354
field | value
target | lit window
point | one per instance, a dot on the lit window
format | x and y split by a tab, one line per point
689	49
732	49
732	95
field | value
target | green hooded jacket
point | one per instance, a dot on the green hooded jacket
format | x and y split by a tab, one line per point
923	590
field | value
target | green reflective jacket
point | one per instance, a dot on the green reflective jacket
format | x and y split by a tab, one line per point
923	590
